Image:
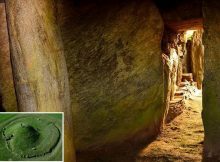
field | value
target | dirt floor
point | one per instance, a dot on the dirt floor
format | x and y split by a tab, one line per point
181	140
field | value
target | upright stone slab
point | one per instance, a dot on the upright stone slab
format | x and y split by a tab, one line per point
7	91
197	57
113	52
211	89
38	61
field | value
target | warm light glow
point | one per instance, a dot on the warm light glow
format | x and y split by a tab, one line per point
189	34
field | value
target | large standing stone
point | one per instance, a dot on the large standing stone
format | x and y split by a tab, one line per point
197	57
7	91
114	61
211	95
39	66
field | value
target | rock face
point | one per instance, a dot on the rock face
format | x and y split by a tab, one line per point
211	102
7	92
197	57
179	10
38	62
114	62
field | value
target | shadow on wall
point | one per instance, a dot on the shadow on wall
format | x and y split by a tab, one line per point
126	151
2	109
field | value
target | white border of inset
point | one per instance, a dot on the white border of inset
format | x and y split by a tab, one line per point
43	113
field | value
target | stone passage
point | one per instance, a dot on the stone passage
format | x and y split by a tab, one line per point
32	137
182	139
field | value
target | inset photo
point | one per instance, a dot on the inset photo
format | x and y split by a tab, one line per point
31	136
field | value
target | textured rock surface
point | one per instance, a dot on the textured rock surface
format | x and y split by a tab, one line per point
114	62
7	92
175	109
197	57
211	102
179	10
38	62
172	48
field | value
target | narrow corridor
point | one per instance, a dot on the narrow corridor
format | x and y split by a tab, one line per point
182	139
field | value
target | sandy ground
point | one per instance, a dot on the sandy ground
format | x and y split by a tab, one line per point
181	140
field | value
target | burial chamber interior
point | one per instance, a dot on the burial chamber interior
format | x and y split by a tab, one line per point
113	54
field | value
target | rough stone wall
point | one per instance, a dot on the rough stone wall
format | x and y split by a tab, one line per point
211	102
38	62
7	92
113	56
173	50
197	57
178	10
